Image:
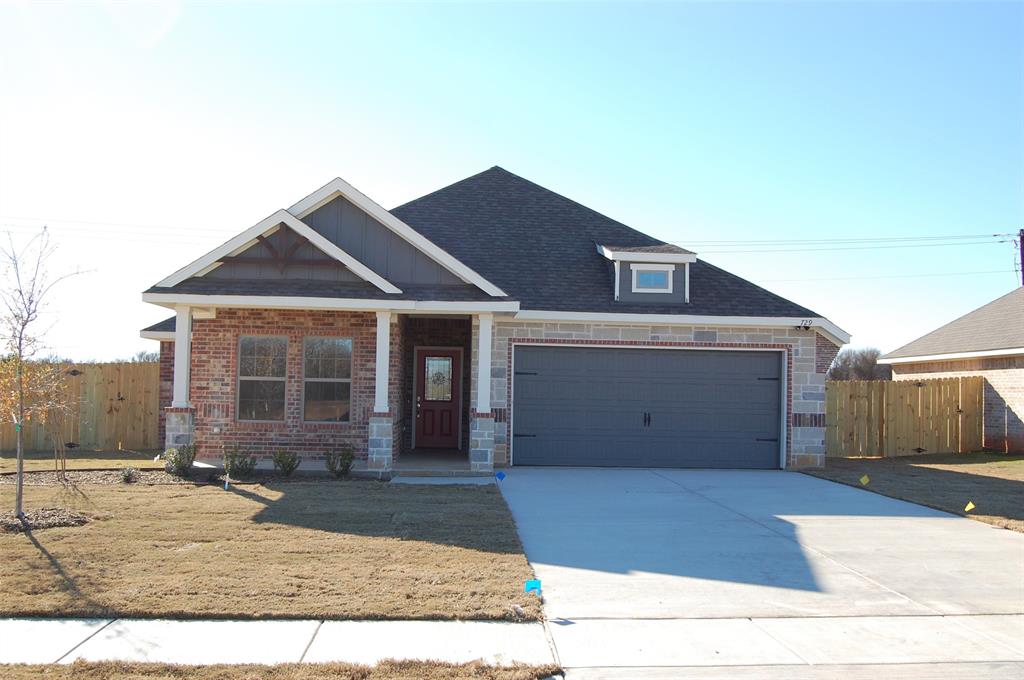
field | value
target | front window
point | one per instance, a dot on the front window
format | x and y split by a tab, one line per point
652	278
261	377
327	383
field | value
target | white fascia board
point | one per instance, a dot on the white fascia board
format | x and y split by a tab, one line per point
265	226
820	324
338	186
953	356
171	300
654	258
157	335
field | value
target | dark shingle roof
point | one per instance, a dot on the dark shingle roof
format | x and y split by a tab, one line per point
325	289
540	248
165	326
664	248
997	325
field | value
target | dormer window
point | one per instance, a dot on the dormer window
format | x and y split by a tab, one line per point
659	268
652	278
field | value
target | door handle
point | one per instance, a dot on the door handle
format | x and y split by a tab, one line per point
647	419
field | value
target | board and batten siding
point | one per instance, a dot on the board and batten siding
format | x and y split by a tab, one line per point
376	246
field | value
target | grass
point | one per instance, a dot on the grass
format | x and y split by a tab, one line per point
84	460
386	670
323	549
993	482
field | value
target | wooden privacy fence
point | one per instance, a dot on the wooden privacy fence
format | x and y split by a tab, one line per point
903	417
115	406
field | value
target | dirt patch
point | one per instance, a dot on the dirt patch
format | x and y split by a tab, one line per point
42	518
386	670
303	549
992	483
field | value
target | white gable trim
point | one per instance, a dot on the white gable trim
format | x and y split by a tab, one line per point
338	186
268	225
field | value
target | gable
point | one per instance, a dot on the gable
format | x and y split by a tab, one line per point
361	235
282	254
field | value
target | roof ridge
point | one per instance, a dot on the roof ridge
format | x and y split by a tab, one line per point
446	187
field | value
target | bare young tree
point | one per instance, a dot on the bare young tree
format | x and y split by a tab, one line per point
859	364
23	292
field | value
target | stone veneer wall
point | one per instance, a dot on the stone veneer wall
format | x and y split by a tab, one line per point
215	376
1004	394
805	373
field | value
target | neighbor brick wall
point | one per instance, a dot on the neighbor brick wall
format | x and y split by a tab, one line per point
166	389
1004	394
215	372
825	352
806	386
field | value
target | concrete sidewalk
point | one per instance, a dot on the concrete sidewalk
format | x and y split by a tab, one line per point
270	642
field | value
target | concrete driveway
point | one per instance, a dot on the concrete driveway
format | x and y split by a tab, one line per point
776	572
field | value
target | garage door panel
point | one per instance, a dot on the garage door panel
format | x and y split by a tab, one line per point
585	406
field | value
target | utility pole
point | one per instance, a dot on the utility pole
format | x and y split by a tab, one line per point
1020	247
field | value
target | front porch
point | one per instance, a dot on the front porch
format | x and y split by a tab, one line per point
406	400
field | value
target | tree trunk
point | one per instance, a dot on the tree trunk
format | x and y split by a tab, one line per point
20	483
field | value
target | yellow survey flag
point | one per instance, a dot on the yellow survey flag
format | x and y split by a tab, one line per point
864	480
969	506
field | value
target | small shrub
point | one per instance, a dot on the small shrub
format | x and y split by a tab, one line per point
179	460
286	462
129	475
339	462
238	464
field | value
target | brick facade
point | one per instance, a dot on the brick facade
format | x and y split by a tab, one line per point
805	398
166	389
825	352
1004	394
214	377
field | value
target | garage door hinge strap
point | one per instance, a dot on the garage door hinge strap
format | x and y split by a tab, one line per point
765	440
775	379
523	435
525	373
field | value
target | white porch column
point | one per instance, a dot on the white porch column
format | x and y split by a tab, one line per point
380	392
483	366
182	356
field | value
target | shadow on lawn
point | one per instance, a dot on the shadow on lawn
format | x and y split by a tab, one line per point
475	518
913	480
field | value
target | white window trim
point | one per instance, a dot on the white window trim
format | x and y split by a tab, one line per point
238	383
306	379
669	270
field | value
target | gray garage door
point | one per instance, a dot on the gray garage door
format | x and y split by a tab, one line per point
646	407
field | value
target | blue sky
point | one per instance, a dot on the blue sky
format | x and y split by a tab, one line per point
145	134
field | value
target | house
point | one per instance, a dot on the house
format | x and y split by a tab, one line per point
988	342
493	319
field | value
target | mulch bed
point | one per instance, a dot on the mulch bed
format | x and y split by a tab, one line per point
42	518
385	670
152	477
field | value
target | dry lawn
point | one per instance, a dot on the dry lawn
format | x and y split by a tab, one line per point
83	460
386	670
993	482
303	549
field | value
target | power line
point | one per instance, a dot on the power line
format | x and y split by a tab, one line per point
880	247
881	239
896	276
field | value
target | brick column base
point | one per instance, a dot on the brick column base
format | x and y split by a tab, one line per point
481	442
379	453
179	426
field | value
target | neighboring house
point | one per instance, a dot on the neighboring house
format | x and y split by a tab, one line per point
493	318
988	342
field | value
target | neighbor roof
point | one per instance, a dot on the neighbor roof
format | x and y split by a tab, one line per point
999	325
539	247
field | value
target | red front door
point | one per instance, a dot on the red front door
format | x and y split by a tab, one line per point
438	397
